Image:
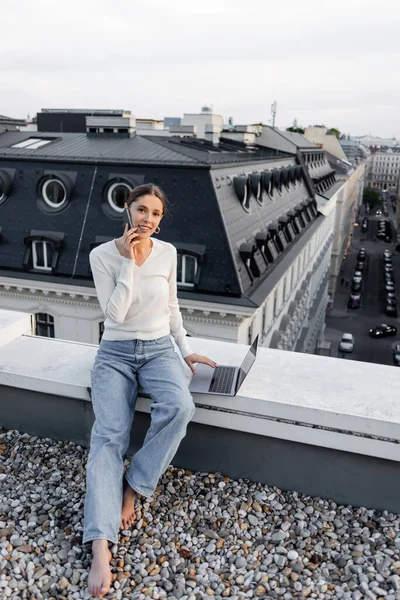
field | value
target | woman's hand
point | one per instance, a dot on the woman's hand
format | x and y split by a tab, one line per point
128	242
197	358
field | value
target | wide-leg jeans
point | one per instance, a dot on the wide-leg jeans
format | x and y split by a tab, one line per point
119	367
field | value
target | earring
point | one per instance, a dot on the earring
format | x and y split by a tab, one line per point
155	231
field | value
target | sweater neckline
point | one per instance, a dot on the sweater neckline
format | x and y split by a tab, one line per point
147	257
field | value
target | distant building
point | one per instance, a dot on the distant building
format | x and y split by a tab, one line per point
346	191
384	170
52	120
354	151
10	124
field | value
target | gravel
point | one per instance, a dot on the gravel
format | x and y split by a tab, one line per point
201	536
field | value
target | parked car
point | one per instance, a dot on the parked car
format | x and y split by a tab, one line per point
383	330
360	265
354	301
357	274
389	287
346	344
356	284
389	277
361	254
396	355
391	310
388	268
387	256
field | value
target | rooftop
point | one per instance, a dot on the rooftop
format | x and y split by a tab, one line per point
202	535
220	524
117	148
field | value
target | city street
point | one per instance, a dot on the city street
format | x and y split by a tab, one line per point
372	310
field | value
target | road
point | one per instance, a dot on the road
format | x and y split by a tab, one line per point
372	310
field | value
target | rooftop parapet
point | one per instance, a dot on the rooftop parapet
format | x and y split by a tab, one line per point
323	426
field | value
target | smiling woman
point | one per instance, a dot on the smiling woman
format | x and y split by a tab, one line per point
136	283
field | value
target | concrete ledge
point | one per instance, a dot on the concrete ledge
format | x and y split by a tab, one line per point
345	477
319	425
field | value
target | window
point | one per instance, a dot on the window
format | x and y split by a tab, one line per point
32	143
42	255
44	325
101	330
54	193
117	195
187	269
108	130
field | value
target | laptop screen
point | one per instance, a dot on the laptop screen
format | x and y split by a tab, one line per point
247	363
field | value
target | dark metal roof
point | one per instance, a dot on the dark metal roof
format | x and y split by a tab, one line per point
298	139
116	148
225	152
332	190
82	147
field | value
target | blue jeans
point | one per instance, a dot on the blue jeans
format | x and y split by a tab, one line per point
118	369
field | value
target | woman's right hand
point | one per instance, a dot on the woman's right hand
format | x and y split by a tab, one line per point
128	242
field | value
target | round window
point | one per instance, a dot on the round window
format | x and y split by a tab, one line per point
54	193
117	195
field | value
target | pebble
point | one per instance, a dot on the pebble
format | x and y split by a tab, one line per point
201	535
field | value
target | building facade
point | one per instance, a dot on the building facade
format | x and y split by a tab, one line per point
384	170
253	243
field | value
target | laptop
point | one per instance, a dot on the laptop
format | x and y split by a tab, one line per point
223	380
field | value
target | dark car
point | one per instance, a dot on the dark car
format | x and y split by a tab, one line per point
388	268
396	355
383	331
356	284
360	265
354	301
391	310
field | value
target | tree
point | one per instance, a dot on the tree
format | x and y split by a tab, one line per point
371	196
335	131
295	129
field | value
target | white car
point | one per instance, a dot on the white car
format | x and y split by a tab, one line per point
346	344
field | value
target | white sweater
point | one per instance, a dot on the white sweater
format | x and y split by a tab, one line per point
139	302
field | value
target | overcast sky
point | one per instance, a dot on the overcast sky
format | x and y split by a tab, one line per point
333	63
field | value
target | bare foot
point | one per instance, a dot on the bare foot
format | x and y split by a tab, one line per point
128	507
99	581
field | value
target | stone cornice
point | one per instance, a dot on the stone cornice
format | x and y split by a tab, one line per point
86	297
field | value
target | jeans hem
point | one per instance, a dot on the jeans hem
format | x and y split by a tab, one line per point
93	539
137	489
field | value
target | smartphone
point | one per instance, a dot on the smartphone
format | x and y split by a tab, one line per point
128	218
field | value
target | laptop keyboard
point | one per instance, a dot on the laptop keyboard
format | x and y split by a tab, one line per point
222	380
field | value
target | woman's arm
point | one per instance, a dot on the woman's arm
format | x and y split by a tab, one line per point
176	324
115	297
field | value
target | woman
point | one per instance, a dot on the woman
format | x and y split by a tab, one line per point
135	279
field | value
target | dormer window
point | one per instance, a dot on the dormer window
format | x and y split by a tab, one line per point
42	256
257	184
54	193
42	250
117	195
243	191
187	270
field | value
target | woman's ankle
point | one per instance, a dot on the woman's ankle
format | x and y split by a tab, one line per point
100	547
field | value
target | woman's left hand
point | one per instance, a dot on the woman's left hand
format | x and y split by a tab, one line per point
197	358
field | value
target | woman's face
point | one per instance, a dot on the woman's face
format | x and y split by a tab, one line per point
146	213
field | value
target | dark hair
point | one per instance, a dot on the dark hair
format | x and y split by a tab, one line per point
148	189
